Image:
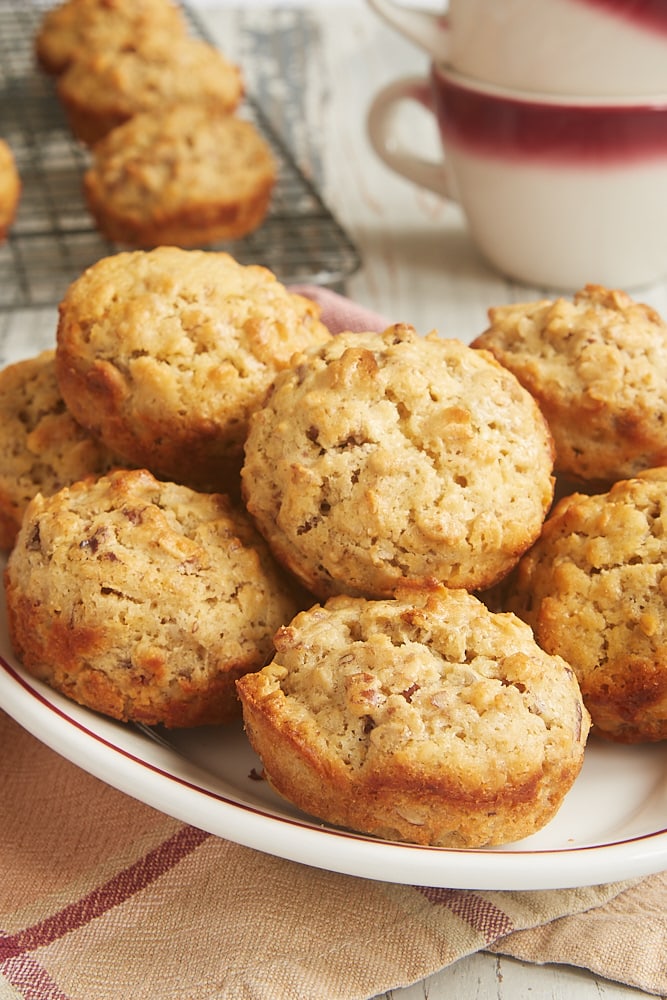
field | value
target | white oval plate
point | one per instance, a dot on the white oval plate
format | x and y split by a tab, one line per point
612	825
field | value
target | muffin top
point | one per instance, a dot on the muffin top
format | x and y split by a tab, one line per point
143	599
75	28
183	162
594	589
435	673
164	354
424	718
42	447
386	458
166	70
598	367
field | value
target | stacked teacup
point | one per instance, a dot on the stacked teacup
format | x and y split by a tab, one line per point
553	120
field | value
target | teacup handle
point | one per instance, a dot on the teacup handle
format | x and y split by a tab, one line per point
383	134
428	30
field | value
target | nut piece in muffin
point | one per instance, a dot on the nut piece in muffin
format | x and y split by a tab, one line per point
425	719
78	27
42	447
185	175
101	90
598	367
163	354
594	590
384	460
143	600
10	188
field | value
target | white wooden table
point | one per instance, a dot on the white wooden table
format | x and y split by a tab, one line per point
418	267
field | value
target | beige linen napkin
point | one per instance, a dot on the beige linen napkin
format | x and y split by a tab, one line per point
104	898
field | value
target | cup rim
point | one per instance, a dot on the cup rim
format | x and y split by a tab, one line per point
645	102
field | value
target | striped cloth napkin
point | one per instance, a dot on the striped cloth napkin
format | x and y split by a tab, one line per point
103	897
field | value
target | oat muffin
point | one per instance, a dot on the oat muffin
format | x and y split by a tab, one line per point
42	447
184	175
386	459
425	719
163	354
594	590
101	90
143	600
78	27
10	188
598	367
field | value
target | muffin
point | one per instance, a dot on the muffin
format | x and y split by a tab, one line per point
163	354
10	189
143	600
184	175
42	447
76	28
425	719
103	89
385	460
594	590
598	367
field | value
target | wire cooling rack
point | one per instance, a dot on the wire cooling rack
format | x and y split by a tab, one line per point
54	238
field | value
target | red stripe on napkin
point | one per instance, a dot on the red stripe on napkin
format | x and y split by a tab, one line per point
34	982
118	889
478	912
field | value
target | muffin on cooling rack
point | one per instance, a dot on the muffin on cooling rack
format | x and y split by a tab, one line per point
42	447
10	188
143	600
425	719
101	90
163	354
184	175
387	459
78	27
598	367
594	590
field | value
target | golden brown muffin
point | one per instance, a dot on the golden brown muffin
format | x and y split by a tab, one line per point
143	600
598	367
42	447
76	28
594	590
164	354
101	90
10	189
382	460
425	719
184	175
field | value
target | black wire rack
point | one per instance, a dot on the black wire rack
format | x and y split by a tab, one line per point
54	238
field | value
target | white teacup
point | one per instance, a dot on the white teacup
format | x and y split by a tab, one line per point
556	192
595	47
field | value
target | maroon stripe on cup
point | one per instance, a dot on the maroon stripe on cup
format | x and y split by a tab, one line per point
577	133
117	890
650	14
